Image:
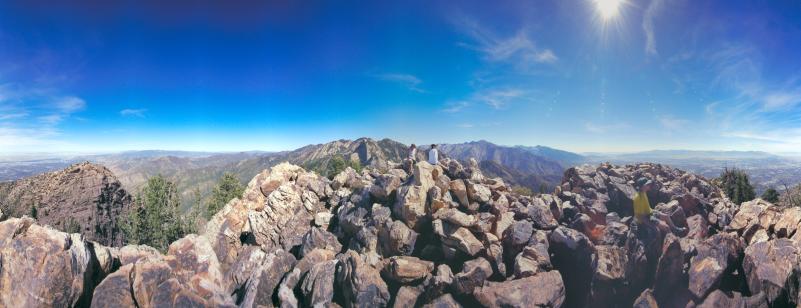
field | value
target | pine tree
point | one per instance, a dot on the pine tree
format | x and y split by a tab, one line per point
228	188
154	219
736	185
770	195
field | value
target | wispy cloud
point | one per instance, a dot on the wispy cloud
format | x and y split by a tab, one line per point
30	117
498	99
518	49
495	98
596	128
139	113
648	26
411	82
672	123
454	107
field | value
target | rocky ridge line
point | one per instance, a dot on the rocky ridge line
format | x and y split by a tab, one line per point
437	236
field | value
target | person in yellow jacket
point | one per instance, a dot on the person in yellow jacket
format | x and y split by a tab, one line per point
643	213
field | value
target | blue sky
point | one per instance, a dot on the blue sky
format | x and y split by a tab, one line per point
93	76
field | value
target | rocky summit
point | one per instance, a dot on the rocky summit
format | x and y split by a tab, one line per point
431	236
84	198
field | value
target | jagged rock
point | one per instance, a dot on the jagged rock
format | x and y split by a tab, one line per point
40	266
698	228
456	217
645	300
478	192
147	277
323	219
541	290
385	188
444	301
407	296
719	299
286	293
194	265
436	285
473	275
670	268
264	279
396	239
361	283
516	237
788	222
410	206
133	253
459	190
457	237
532	260
715	257
772	268
609	282
115	290
573	257
407	270
317	238
85	198
318	284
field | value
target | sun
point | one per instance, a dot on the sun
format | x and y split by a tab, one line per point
608	8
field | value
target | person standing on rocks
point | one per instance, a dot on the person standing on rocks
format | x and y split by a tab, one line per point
433	155
643	212
413	153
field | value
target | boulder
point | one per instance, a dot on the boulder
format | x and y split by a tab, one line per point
541	290
714	257
407	296
609	282
318	238
478	192
771	267
264	279
410	207
444	301
473	275
532	260
645	300
361	284
40	266
406	270
396	238
457	237
115	290
572	254
459	190
318	285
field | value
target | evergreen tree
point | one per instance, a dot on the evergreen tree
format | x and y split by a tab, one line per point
771	195
735	184
228	188
34	212
154	219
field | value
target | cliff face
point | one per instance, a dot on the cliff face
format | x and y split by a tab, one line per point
84	198
444	236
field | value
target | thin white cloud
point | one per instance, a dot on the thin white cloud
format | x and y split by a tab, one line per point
454	107
672	123
781	99
140	113
30	117
596	128
495	98
648	26
519	49
498	99
409	81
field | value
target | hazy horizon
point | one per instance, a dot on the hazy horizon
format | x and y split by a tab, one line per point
652	75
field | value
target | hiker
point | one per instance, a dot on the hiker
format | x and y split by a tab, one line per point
433	155
643	213
413	153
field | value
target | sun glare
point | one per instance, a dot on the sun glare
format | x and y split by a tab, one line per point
608	8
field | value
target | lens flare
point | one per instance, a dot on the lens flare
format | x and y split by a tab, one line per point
608	8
